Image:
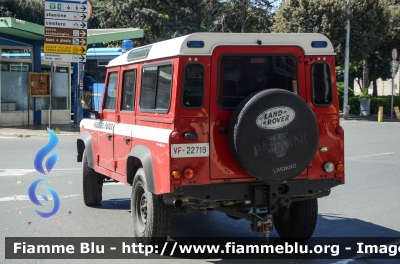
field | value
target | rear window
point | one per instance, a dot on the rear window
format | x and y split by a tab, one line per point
241	76
193	86
321	84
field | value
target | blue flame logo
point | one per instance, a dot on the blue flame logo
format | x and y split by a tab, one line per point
41	154
51	161
34	199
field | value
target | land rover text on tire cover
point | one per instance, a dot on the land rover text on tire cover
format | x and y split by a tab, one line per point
245	124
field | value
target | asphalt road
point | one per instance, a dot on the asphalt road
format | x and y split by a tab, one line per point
367	205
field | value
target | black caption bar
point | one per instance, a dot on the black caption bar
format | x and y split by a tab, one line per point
201	248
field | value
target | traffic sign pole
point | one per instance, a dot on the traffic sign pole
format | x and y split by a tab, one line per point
394	71
66	36
51	88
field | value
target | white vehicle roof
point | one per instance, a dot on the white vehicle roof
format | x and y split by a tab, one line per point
178	46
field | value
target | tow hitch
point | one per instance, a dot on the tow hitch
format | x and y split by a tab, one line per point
259	222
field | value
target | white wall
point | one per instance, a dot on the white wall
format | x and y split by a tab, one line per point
16	118
384	87
20	118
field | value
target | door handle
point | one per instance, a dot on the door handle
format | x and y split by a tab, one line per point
127	141
190	135
109	136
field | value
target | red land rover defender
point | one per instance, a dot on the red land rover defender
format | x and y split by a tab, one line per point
230	122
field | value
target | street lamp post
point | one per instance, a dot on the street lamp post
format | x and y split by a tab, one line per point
346	67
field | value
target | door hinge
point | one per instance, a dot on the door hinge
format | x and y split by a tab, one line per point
115	163
97	159
306	60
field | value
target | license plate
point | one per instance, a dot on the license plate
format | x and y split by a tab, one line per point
190	150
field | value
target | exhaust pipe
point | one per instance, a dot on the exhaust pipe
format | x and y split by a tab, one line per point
177	203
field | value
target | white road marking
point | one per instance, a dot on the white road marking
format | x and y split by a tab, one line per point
26	197
371	155
20	172
345	261
364	255
16	172
113	183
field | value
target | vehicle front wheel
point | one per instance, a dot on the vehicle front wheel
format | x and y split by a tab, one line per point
92	183
150	215
298	221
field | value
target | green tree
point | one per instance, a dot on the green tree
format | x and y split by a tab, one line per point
164	19
380	59
327	17
159	19
247	15
370	26
27	10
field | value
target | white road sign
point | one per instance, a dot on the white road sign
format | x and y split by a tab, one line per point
394	65
57	6
55	23
66	15
64	57
64	18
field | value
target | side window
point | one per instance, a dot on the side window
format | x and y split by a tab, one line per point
193	86
155	94
321	84
148	88
128	90
111	91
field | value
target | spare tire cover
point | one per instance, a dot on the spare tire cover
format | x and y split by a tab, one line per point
273	135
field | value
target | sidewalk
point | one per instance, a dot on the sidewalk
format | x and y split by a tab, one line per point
370	118
38	130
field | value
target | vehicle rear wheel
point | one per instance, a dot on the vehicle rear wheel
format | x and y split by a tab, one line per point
92	183
150	215
298	221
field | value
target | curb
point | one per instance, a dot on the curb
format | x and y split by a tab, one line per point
23	135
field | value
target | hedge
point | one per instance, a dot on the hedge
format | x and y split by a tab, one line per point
385	101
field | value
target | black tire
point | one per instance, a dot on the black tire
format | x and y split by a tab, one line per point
150	215
297	222
92	183
273	135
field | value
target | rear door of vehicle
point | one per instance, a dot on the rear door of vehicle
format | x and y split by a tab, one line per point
322	98
237	72
106	126
126	116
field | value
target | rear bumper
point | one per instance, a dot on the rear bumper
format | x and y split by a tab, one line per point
245	191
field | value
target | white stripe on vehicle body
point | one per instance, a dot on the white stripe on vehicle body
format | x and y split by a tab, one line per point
142	132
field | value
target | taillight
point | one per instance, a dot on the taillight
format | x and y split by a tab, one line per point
339	166
175	182
339	130
176	174
188	173
175	135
